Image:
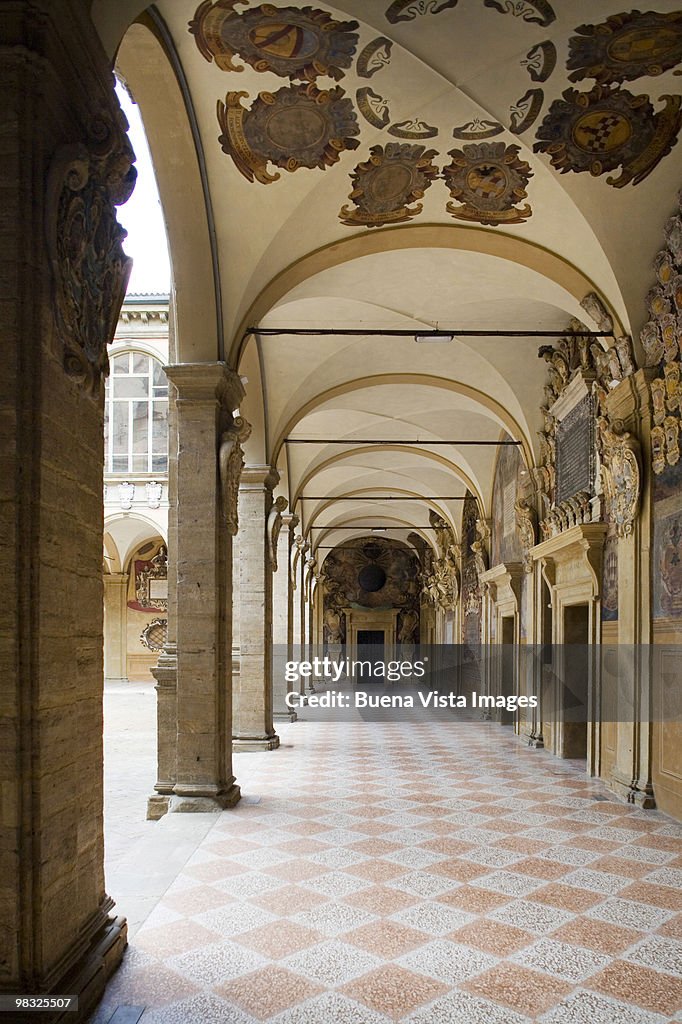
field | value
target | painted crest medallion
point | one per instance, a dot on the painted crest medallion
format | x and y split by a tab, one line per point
488	180
297	126
625	47
606	128
385	185
292	42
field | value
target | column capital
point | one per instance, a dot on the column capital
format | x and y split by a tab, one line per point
207	382
258	477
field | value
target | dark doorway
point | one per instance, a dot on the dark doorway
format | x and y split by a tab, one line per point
576	672
371	651
371	636
508	668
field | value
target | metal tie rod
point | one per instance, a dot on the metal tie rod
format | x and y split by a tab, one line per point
357	332
394	440
381	497
382	529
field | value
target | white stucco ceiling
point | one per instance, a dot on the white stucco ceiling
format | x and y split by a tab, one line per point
287	260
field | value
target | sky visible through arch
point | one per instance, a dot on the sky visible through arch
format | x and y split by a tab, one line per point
142	216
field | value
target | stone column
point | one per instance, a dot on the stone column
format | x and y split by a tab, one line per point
281	608
209	461
253	727
166	669
115	627
66	165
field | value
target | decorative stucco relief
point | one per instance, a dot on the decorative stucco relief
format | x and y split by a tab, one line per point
90	270
660	338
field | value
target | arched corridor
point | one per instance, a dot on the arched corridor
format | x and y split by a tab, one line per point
432	872
402	423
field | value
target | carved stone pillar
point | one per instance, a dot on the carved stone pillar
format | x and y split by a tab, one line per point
209	461
253	727
115	631
66	164
281	610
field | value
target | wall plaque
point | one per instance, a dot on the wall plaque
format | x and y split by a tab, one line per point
575	451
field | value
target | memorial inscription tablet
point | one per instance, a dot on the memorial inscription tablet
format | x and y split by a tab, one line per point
575	461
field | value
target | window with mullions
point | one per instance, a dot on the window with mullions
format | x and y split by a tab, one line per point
136	415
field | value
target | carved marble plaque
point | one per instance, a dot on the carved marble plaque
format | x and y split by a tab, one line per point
575	448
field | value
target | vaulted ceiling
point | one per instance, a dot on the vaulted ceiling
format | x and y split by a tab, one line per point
471	164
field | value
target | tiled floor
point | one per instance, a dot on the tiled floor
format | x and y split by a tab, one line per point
431	873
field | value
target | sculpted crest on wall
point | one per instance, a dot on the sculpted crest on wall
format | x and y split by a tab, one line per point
573	358
90	269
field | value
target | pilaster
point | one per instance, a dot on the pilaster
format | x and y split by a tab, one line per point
115	627
253	727
631	775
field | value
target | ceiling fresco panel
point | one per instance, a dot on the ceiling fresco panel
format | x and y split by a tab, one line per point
292	42
625	47
385	185
488	180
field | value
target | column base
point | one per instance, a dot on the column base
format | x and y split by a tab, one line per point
88	976
157	806
631	793
187	800
285	716
537	742
244	743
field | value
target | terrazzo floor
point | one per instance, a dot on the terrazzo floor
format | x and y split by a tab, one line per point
436	873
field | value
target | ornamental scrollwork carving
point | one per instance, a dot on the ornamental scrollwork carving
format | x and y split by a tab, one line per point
274	528
481	546
621	478
441	578
151	585
231	463
527	526
660	338
90	270
154	635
